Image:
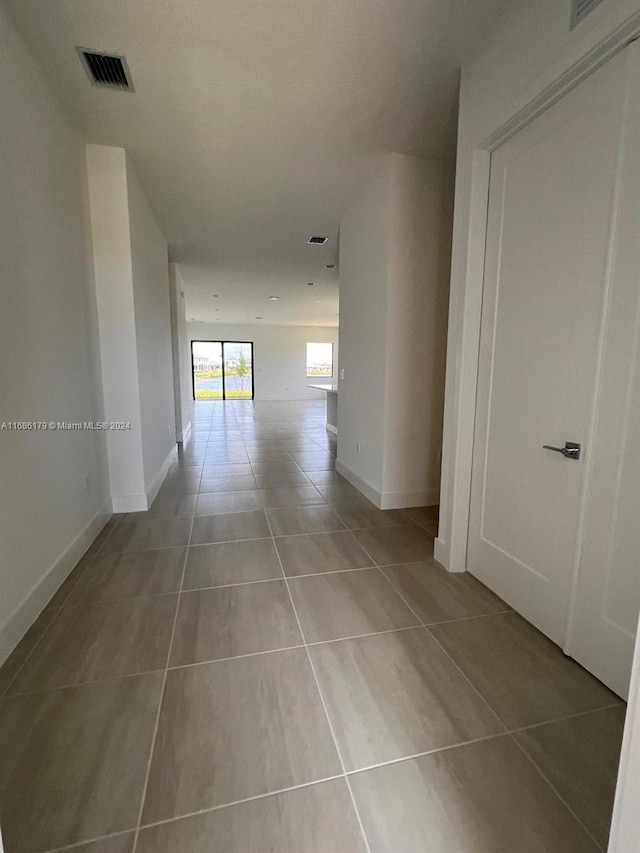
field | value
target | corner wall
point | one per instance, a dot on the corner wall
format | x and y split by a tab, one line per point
132	285
152	309
394	273
53	483
181	355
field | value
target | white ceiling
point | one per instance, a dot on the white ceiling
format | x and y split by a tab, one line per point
254	122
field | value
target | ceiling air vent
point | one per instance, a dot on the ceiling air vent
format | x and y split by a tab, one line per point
107	70
317	241
580	9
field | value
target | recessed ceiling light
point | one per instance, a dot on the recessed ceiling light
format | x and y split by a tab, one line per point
311	284
214	296
274	298
316	240
329	266
317	300
258	318
216	309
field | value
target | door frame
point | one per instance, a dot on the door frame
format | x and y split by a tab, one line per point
468	264
222	343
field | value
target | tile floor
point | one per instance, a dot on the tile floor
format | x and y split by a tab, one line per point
266	663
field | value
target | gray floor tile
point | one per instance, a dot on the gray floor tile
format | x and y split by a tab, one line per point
524	676
222	503
320	552
222	468
167	506
326	478
280	466
283	496
407	543
74	761
580	758
425	516
146	534
25	647
237	729
481	798
342	493
258	455
115	844
101	641
360	516
345	604
129	575
315	819
228	483
64	590
394	695
230	563
282	478
288	521
229	527
438	596
234	620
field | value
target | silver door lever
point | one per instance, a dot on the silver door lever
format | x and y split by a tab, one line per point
571	450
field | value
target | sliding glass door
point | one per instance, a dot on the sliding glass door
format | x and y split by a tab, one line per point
222	370
237	375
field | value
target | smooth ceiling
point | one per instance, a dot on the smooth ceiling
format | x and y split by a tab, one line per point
254	122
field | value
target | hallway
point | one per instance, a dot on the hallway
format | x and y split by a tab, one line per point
266	663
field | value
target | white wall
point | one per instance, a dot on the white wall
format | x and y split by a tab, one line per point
150	266
132	285
116	313
52	484
364	263
421	222
181	355
279	354
394	272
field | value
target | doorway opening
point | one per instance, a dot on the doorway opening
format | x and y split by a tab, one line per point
222	370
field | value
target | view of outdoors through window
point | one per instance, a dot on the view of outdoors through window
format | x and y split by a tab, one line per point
222	370
319	359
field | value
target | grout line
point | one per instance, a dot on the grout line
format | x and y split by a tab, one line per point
566	717
73	684
217	808
426	752
322	700
235	657
463	674
77	844
161	697
555	791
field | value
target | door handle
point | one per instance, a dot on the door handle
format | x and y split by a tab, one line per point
571	450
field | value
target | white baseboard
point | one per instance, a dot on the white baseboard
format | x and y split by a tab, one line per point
142	501
157	481
361	485
389	500
404	500
26	613
129	503
183	437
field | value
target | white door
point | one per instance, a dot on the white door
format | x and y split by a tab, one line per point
549	288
